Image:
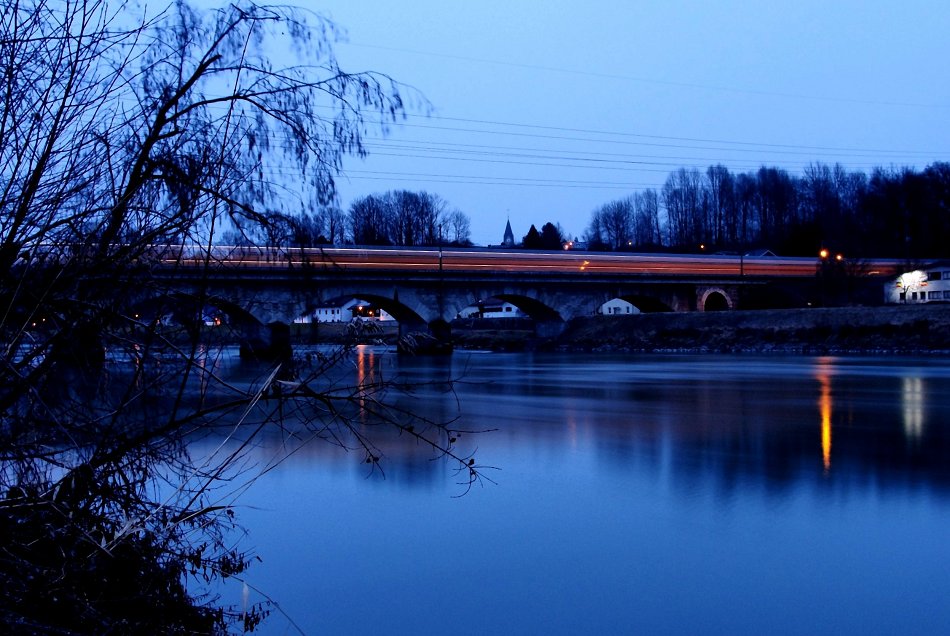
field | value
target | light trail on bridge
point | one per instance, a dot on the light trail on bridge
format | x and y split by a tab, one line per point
486	260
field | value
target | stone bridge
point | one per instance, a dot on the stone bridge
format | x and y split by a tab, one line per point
265	301
425	289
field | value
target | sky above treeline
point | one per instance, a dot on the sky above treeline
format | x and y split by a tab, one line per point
543	111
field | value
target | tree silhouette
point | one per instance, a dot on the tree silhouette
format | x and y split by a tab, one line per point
122	135
887	213
532	240
551	238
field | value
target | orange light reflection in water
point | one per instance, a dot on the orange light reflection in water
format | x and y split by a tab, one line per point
824	408
365	376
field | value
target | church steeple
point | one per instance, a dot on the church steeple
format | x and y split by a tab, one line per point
509	239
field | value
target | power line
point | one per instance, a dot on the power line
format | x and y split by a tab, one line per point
598	159
520	184
659	82
500	180
613	135
669	137
622	142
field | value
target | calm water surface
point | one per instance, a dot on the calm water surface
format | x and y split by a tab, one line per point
634	494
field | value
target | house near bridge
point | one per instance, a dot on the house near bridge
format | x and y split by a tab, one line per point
617	307
344	310
492	308
925	285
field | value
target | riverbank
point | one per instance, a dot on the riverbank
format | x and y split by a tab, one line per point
919	329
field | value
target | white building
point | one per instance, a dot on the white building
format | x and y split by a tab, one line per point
344	310
617	307
924	285
492	308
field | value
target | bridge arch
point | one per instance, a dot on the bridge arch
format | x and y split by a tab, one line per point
186	309
715	299
401	313
193	311
534	308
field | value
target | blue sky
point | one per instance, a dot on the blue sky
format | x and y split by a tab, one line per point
545	110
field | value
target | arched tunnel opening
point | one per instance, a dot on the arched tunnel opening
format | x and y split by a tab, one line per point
716	301
210	321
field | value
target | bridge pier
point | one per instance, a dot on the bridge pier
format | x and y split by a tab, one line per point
266	342
549	328
420	338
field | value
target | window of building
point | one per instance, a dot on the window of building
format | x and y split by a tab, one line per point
903	295
913	295
934	295
934	275
946	294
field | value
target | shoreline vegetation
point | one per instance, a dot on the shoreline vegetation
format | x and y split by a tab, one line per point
918	329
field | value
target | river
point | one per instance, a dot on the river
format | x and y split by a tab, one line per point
631	494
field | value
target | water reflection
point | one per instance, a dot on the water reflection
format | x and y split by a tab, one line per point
824	407
638	494
365	365
708	422
913	399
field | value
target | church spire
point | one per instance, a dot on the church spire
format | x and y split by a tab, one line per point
509	239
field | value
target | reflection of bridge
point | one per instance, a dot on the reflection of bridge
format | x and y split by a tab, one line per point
427	288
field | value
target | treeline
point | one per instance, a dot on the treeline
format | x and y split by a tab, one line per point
398	217
401	217
900	213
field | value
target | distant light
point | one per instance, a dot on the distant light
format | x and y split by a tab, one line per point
702	246
823	253
912	280
839	257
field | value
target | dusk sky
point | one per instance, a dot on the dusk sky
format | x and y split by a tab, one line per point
545	111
